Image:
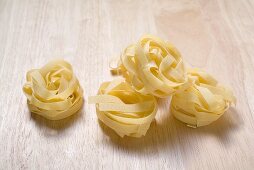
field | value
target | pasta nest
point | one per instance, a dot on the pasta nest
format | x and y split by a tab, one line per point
154	67
123	109
203	102
53	91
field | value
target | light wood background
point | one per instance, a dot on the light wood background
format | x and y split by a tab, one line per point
216	35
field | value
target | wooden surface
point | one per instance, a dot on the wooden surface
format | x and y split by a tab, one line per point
215	35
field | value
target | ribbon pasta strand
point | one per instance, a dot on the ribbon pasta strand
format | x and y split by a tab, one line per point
203	102
53	91
153	66
123	109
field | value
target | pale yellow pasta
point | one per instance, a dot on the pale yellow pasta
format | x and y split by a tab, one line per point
203	102
53	91
124	110
153	66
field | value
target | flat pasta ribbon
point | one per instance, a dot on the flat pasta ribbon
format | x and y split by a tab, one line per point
153	66
203	102
53	91
123	109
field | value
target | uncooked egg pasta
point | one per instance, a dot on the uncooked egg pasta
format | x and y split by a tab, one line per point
203	102
123	109
153	66
53	91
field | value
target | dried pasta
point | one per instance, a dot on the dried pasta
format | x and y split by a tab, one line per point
153	66
123	109
53	91
203	102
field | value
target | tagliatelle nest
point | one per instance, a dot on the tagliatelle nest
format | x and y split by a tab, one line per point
53	91
203	102
153	66
123	109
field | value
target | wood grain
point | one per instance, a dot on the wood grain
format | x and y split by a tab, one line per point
216	35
